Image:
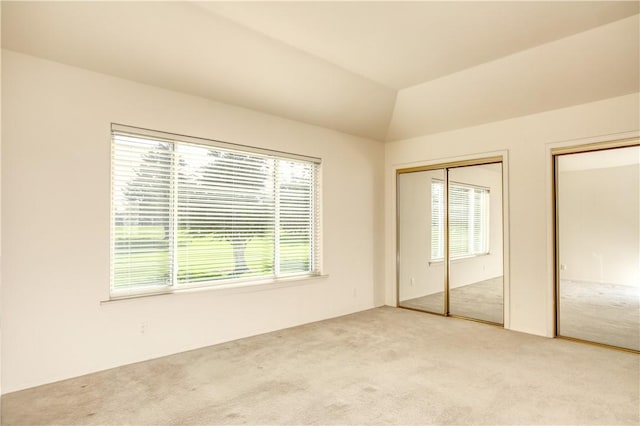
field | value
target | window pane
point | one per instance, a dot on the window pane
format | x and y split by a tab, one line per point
141	216
225	214
296	216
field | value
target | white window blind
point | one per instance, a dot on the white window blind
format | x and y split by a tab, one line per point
186	214
437	220
468	220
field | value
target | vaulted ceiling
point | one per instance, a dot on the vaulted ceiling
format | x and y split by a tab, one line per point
382	70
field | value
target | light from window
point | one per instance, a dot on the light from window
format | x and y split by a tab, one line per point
188	214
468	220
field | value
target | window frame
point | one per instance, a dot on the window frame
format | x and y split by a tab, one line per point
315	243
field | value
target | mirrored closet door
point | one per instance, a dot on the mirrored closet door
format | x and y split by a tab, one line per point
598	245
421	240
475	242
449	229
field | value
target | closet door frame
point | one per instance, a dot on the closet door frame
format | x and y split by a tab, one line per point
555	154
445	166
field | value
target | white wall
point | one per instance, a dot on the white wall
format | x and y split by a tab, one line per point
599	224
187	48
55	217
419	277
528	141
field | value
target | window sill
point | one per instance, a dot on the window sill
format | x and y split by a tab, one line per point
230	288
459	259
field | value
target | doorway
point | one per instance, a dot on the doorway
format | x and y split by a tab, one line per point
597	243
450	239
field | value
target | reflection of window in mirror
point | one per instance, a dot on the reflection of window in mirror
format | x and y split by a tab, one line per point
468	220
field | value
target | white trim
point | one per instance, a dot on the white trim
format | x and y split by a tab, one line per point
442	160
506	258
240	286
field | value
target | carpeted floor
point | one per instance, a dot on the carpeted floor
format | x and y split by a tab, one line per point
482	300
381	366
596	312
603	313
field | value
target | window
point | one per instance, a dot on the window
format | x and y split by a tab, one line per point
468	220
190	214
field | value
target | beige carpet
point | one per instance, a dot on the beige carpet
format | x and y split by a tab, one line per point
382	366
482	300
603	313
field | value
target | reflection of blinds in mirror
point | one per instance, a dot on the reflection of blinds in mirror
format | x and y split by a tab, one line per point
437	219
468	220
